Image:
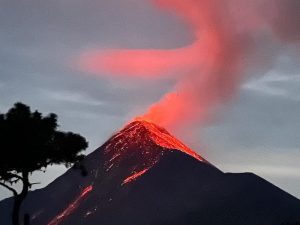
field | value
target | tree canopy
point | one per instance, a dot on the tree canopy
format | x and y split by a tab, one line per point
29	142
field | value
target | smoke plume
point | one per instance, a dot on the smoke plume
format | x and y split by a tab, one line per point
231	37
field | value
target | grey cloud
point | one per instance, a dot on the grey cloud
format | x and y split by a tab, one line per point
259	120
71	97
276	84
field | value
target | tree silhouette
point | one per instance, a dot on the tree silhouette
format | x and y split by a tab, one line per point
30	142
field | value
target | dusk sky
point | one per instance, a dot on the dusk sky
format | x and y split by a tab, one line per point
40	42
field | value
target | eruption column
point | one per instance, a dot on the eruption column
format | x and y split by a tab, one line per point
213	66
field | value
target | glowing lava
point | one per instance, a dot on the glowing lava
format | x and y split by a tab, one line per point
144	132
164	139
71	207
134	176
148	143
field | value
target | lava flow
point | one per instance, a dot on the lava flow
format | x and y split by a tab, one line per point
144	141
71	207
136	148
134	176
163	138
145	133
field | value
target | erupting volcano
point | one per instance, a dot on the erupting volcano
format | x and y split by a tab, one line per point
143	175
149	142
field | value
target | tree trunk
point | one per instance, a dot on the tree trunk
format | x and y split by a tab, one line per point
26	219
18	200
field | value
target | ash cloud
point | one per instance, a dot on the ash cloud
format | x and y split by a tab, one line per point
233	39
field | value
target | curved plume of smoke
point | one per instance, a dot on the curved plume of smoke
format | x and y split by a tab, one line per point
229	35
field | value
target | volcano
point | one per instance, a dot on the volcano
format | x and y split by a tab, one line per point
143	175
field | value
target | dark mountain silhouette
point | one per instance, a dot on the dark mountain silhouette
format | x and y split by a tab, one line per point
145	176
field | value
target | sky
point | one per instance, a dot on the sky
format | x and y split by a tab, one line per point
257	131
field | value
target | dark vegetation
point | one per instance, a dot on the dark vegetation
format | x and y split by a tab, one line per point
30	141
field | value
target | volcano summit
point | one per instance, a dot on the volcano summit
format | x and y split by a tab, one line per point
145	176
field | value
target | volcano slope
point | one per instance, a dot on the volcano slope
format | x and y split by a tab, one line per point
145	176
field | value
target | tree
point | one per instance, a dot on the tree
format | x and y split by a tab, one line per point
30	142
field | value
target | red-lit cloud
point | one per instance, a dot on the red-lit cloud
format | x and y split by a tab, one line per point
211	67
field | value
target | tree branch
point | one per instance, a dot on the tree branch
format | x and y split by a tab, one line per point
15	176
31	184
9	188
